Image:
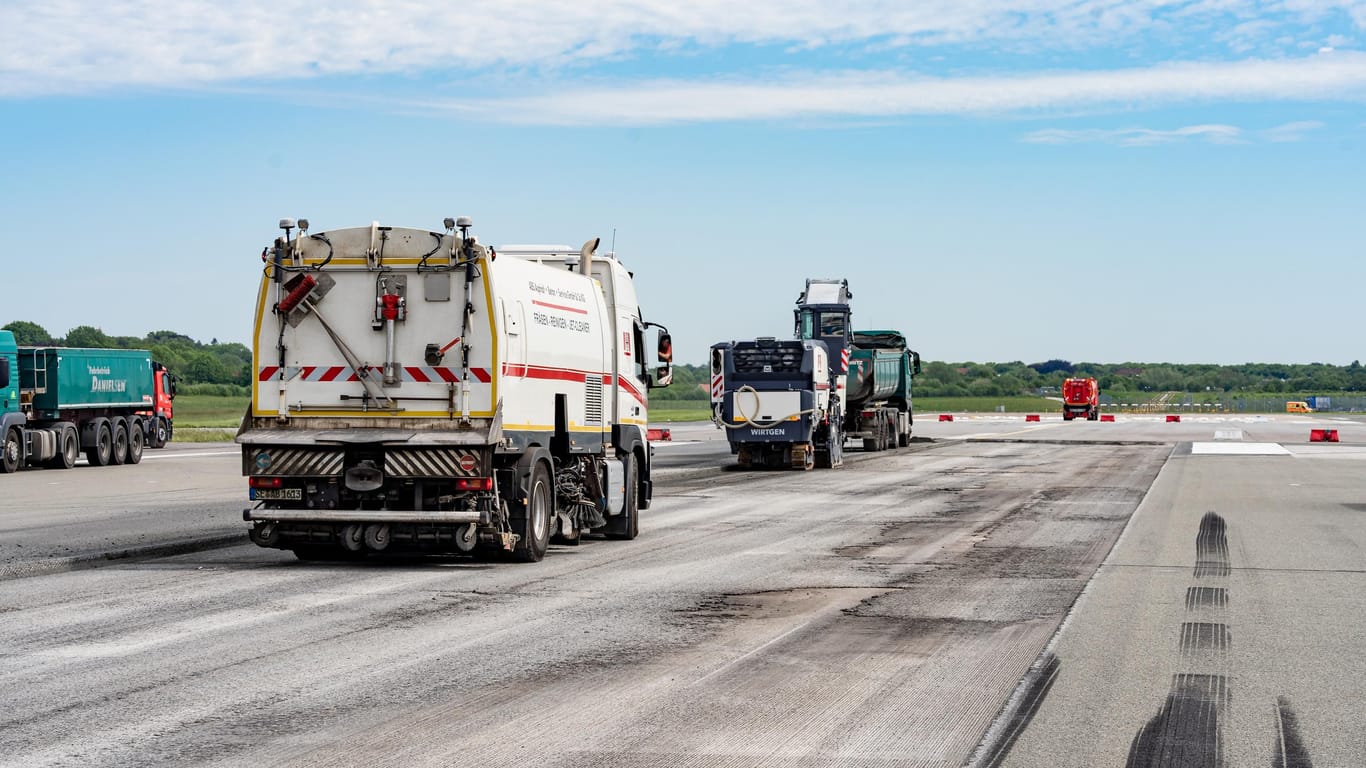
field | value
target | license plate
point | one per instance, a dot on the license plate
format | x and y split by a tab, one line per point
278	494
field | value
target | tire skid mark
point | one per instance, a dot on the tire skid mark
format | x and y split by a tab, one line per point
1188	731
1289	750
1205	636
1211	547
1206	597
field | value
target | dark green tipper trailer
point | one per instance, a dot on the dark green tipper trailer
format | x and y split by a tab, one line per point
58	401
878	397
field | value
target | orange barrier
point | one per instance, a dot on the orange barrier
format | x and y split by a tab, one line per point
659	435
1172	417
946	417
1031	417
1323	436
1107	417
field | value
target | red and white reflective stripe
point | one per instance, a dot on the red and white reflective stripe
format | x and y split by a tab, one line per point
717	387
844	360
422	374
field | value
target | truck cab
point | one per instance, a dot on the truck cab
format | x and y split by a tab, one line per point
12	418
160	424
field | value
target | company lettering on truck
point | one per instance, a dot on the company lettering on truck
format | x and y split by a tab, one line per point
104	385
555	321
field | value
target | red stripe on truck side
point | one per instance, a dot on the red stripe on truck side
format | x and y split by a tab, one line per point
540	303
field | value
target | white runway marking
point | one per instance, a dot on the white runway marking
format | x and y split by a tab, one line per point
1239	449
187	455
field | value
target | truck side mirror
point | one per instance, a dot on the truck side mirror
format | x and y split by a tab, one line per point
666	348
915	363
664	375
4	372
171	380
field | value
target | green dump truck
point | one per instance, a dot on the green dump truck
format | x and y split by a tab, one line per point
878	390
58	401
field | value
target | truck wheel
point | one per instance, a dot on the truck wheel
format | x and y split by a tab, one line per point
159	433
120	452
531	519
68	448
98	455
9	452
626	526
135	443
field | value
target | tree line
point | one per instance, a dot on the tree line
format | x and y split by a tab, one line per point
193	362
967	379
219	363
941	379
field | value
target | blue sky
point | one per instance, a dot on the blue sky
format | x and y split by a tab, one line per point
1160	180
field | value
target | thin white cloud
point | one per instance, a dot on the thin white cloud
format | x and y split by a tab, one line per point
1137	137
1146	137
1338	76
1291	131
62	46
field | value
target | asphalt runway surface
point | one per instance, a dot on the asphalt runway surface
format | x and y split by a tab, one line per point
1136	593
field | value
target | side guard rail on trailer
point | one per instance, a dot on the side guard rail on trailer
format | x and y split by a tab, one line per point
363	515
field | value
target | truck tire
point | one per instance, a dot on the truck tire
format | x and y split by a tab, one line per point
9	451
119	452
159	433
98	454
530	520
626	526
68	448
135	443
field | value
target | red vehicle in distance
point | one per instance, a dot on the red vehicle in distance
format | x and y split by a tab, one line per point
1080	397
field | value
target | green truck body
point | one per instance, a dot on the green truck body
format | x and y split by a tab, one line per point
65	378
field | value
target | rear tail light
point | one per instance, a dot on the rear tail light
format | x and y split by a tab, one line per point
474	484
267	482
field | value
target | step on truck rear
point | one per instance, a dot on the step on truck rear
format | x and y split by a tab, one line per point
420	391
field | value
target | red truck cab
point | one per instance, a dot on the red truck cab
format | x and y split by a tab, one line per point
158	420
1080	397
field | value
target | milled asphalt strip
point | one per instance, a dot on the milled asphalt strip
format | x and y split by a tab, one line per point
52	565
1028	695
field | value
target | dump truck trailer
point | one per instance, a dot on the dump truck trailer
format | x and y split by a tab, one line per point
56	402
878	390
